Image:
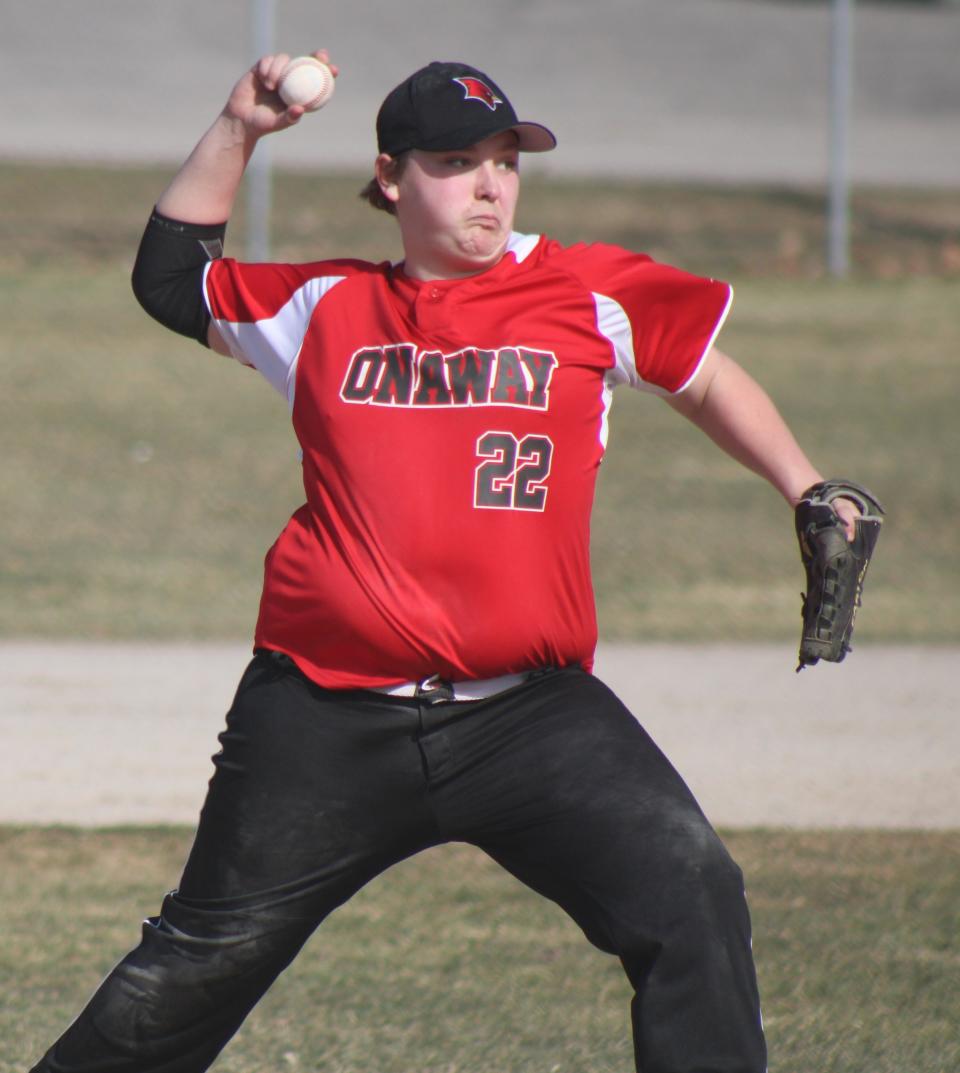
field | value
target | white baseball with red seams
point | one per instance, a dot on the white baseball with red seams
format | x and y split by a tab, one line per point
306	81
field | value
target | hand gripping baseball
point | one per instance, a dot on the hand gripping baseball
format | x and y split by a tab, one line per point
267	100
835	566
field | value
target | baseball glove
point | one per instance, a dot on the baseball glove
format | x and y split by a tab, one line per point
835	567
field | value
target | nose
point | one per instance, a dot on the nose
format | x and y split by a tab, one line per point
488	181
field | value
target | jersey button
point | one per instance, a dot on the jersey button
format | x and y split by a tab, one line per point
434	294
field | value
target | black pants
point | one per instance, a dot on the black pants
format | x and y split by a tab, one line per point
316	792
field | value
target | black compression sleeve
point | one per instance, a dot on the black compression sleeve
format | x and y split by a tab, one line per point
168	272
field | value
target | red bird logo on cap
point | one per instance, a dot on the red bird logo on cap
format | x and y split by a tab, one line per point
476	90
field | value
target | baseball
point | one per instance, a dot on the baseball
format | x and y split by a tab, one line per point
307	82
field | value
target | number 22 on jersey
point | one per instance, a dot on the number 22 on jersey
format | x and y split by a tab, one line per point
512	473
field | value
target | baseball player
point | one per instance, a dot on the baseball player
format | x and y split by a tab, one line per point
422	664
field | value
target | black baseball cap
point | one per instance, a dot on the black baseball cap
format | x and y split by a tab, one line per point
451	106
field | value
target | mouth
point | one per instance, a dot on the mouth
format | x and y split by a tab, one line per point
485	220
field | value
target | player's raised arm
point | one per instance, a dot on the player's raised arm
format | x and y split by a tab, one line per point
204	189
188	224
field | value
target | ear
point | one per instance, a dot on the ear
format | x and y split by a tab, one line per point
385	172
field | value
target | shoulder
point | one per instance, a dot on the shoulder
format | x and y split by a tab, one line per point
595	259
594	266
590	259
607	269
263	288
336	268
558	254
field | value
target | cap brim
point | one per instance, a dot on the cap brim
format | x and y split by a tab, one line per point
534	138
531	138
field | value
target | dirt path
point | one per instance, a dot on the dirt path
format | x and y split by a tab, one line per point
98	734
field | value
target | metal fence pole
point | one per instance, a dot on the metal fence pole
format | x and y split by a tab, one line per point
259	177
841	66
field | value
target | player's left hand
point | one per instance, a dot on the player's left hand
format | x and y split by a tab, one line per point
848	512
837	524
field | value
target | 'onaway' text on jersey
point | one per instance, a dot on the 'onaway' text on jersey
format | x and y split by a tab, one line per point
402	375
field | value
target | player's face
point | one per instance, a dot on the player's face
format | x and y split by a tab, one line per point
456	208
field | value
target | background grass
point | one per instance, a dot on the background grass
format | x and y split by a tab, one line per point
145	478
447	965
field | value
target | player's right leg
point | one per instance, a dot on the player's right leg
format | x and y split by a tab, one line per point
291	827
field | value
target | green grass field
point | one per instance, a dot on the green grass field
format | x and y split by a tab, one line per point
448	965
144	478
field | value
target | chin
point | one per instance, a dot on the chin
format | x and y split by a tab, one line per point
487	253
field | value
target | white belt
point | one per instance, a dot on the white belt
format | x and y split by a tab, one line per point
436	690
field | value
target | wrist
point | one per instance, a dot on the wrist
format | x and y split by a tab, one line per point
798	482
233	133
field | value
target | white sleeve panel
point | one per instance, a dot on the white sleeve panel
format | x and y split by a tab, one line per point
272	344
614	324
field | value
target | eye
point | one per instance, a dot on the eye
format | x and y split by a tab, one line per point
511	163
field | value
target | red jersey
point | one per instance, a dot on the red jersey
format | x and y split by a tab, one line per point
451	433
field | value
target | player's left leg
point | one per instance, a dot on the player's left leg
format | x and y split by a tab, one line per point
562	786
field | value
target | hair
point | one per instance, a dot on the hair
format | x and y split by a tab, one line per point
372	193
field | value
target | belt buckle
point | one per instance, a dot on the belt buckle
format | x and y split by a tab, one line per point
434	690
